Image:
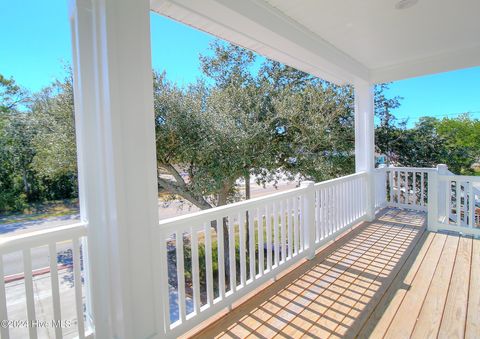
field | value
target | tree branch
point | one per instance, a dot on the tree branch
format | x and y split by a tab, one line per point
183	191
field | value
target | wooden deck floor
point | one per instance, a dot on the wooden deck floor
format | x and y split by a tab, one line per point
388	278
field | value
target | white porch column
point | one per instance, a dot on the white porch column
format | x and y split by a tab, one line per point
116	161
365	139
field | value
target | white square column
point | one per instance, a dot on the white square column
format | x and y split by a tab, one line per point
365	139
115	129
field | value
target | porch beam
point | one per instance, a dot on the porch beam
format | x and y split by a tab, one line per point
116	162
365	139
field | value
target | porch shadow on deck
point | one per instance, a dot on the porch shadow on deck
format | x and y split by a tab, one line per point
375	281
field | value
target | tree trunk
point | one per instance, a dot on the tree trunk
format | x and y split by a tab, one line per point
26	187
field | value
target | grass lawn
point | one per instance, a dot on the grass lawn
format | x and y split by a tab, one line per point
42	211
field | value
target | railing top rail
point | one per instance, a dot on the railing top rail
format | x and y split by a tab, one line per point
28	240
222	211
340	179
410	169
451	176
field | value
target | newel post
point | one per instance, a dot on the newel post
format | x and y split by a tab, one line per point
309	217
383	184
434	191
439	190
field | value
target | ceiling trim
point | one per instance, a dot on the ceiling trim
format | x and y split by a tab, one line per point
464	58
254	24
264	29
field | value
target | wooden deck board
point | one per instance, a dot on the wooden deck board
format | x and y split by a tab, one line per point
404	320
428	322
455	312
388	277
472	329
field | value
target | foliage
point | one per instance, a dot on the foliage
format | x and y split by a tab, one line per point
248	116
451	141
27	131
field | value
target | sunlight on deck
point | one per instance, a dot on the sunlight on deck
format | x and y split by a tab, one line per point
374	282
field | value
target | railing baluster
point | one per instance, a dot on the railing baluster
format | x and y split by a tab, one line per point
163	251
232	256
221	256
337	207
414	188
348	199
282	231
325	212
399	187
52	249
195	271
331	210
343	203
180	276
275	235
243	259
27	269
296	241
458	206
471	205
407	187
261	247
301	223
465	206
251	244
356	213
422	188
268	221
208	262
4	331
290	229
78	287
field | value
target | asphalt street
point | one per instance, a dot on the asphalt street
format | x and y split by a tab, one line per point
13	263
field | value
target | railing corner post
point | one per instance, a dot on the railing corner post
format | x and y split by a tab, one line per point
309	219
383	188
370	196
432	216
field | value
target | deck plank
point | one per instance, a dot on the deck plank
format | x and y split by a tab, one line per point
428	322
472	329
455	313
332	286
386	278
339	307
377	324
404	321
364	307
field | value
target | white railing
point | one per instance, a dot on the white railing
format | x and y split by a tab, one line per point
407	187
212	258
340	203
456	203
51	296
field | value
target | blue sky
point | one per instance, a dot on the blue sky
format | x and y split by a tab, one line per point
35	46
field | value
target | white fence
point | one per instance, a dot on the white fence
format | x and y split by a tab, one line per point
340	203
407	187
456	203
212	258
58	304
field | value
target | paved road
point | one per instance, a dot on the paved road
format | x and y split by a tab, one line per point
13	263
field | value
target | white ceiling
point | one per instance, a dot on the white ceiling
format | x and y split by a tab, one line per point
344	40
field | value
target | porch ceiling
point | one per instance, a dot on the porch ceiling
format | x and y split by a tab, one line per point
342	41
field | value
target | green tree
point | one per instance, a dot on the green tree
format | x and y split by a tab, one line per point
55	159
